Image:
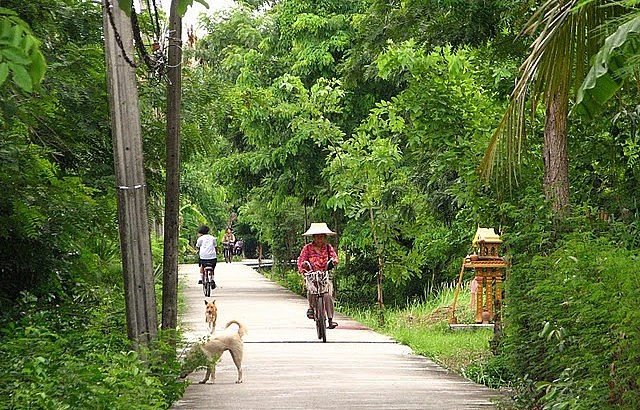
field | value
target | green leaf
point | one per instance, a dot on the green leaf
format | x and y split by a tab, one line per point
21	77
603	80
546	330
7	12
16	55
4	72
37	67
183	5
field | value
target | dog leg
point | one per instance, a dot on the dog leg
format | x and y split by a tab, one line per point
210	374
237	359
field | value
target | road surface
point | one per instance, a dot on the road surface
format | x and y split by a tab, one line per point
287	367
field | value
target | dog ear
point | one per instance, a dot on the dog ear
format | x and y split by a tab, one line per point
214	301
205	302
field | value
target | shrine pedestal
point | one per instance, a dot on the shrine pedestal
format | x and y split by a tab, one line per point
488	268
488	276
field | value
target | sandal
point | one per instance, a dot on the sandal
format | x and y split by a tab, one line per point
332	325
310	314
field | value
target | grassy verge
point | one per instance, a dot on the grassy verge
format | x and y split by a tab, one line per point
423	326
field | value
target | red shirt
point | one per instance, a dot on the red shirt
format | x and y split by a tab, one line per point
317	258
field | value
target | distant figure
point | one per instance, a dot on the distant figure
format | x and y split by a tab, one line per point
229	237
238	248
206	245
191	35
474	290
228	241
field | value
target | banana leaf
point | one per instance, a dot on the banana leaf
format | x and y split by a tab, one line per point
604	78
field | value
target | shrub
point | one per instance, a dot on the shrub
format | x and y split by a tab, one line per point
64	357
569	326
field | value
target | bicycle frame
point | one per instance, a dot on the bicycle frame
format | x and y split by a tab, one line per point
318	285
227	248
207	282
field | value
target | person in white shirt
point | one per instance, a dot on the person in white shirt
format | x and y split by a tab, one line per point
206	245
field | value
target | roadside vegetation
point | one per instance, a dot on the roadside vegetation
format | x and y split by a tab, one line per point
396	123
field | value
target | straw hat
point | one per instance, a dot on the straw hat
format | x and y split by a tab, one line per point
319	228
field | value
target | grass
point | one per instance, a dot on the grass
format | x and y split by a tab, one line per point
424	326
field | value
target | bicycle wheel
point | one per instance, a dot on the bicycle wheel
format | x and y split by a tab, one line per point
320	319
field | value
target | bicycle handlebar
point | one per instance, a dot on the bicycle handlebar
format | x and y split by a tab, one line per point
306	265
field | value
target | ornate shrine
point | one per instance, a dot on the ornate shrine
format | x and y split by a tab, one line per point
488	268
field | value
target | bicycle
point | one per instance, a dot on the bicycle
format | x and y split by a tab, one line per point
228	251
318	284
208	284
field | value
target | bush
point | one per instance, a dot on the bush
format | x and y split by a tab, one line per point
563	330
64	357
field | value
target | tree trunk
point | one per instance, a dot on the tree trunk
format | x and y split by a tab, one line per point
380	267
554	154
133	221
172	194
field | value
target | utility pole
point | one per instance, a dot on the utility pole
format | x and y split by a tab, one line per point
172	194
133	221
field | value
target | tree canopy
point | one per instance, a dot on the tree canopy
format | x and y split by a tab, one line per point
376	117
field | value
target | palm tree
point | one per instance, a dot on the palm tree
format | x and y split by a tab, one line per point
570	33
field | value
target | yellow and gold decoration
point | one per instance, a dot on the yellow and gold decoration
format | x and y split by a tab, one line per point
488	268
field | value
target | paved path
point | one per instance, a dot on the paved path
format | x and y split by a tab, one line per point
286	367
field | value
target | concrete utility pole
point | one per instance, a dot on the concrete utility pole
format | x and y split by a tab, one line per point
133	221
172	194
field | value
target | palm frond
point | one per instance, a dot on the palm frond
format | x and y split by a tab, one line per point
567	37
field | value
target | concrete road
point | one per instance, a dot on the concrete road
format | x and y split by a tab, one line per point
287	367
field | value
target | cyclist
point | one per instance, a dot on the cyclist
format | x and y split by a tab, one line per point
318	254
228	241
206	245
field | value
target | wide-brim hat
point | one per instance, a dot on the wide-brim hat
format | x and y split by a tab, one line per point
319	228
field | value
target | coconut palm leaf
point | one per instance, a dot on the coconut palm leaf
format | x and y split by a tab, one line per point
605	77
568	35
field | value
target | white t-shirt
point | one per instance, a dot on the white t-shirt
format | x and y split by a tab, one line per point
207	247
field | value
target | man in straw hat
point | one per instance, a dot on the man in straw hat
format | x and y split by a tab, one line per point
316	256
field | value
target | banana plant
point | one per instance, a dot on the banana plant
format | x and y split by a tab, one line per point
607	75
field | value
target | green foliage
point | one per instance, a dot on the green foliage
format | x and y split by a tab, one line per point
562	333
182	5
20	53
43	216
606	74
424	196
70	355
369	115
278	224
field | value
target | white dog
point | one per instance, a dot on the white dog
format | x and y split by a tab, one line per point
208	353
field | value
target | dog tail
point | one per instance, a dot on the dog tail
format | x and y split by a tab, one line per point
242	329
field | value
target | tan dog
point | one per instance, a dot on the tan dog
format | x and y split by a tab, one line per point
208	353
211	315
